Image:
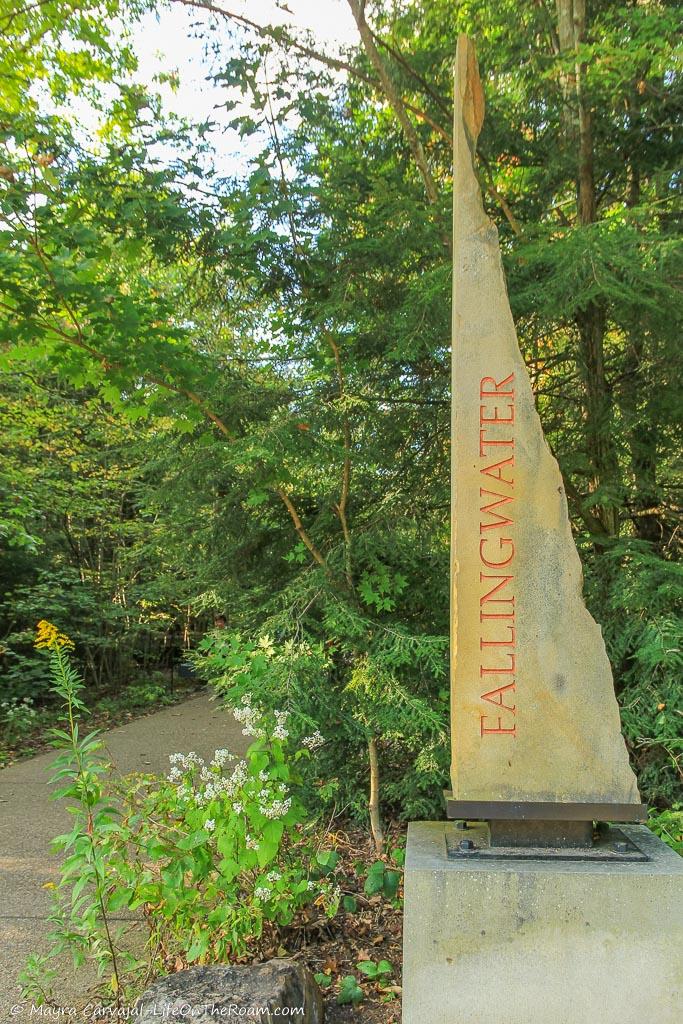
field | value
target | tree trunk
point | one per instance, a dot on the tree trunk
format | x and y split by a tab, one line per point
647	515
591	321
598	412
399	108
373	802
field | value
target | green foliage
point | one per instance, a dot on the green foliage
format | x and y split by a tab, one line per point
96	565
237	834
643	627
212	854
237	390
380	971
146	694
350	991
17	719
384	692
382	879
668	825
80	917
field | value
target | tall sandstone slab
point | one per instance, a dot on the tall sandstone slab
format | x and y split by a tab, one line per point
534	714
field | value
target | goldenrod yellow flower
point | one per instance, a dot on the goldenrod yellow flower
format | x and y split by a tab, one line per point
49	636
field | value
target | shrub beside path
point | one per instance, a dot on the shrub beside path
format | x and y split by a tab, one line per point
29	820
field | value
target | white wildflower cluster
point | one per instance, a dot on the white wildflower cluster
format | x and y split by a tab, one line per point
210	824
274	800
240	774
280	732
184	764
273	876
201	782
314	741
261	893
220	784
17	712
221	757
249	716
277	809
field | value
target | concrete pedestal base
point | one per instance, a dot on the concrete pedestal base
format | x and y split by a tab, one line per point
541	942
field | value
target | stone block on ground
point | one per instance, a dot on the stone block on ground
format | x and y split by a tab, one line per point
541	941
277	990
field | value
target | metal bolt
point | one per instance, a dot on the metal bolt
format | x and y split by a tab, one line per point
460	825
621	847
466	844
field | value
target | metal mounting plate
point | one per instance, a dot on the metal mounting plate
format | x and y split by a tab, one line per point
522	810
474	843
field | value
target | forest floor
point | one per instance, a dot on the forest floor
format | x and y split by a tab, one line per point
29	819
370	933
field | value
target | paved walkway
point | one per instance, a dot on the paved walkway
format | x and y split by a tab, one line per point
29	819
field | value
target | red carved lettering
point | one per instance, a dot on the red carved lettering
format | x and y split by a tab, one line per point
498	615
486	392
496	418
504	580
509	671
495	470
498	587
510	642
510	443
490	509
496	697
501	541
500	730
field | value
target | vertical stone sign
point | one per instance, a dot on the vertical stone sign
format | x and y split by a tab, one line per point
534	716
521	912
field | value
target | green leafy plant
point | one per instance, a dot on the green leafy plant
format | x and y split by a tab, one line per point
668	825
643	628
382	879
349	991
143	695
365	704
379	971
81	915
235	830
327	861
18	718
379	588
211	856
